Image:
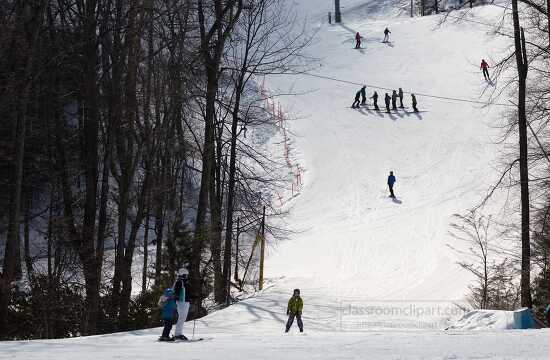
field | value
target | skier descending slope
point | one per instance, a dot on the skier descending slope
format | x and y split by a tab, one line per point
387	33
167	305
484	66
294	309
357	41
391	181
182	302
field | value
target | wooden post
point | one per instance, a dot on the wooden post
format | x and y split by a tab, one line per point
337	13
262	253
411	8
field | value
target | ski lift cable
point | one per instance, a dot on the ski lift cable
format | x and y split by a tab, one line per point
448	98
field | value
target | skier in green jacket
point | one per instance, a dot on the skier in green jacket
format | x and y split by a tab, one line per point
294	310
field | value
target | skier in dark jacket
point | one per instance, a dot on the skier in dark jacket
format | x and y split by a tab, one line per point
294	310
401	98
387	99
414	102
374	98
364	95
394	100
391	181
485	67
356	102
387	33
182	302
547	315
357	41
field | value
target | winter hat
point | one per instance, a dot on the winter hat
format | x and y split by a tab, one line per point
183	272
297	291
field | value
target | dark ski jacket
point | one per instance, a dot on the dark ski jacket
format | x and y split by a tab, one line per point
357	37
295	305
363	94
387	99
358	95
400	93
413	99
375	96
387	31
484	65
391	180
180	290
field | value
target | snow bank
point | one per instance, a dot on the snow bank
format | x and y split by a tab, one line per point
495	320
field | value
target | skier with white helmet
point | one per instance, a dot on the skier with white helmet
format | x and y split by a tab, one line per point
182	302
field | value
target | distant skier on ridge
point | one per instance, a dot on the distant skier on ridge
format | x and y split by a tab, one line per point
364	95
394	100
414	103
357	41
387	100
400	93
374	98
294	310
356	102
391	181
484	66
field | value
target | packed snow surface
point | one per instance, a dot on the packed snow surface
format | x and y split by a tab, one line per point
377	276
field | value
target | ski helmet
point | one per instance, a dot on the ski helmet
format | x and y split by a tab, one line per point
297	291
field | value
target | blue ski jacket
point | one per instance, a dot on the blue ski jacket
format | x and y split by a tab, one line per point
391	180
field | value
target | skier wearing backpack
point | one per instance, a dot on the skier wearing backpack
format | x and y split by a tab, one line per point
356	102
391	181
485	67
182	302
167	305
387	99
374	98
294	310
357	41
387	33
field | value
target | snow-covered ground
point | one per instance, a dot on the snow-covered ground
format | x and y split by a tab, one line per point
377	277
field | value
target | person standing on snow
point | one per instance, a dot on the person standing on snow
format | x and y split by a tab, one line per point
547	315
387	99
182	302
391	181
364	95
357	41
484	66
394	100
400	94
387	33
374	98
167	305
414	102
294	310
356	102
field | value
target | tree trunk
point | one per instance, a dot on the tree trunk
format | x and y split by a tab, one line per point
522	68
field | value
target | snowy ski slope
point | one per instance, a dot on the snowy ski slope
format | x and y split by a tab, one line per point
377	277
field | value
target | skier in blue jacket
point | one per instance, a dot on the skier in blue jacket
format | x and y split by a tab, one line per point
167	304
391	181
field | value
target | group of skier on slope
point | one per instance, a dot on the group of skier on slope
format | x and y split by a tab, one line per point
361	99
358	38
